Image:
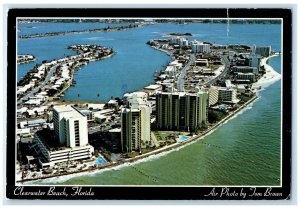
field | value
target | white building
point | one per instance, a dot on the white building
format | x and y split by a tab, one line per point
198	47
175	40
50	156
69	140
183	42
213	95
171	71
70	125
201	62
129	97
135	123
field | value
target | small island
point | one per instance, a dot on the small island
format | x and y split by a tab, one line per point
105	29
180	34
24	58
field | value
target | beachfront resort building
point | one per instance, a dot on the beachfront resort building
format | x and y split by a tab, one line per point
68	142
213	95
263	51
70	125
244	69
183	42
254	60
181	111
135	122
227	95
199	47
246	77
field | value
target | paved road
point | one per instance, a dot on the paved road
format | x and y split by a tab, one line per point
223	73
30	94
180	81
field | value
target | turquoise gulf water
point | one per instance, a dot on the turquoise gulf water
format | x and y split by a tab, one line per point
244	151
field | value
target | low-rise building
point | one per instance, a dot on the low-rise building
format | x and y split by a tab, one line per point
241	89
171	71
201	62
227	95
89	114
244	69
51	152
246	76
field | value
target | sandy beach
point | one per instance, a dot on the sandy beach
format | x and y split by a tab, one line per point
269	78
155	154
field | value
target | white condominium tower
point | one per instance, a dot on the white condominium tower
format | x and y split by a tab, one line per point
68	142
70	125
181	111
135	123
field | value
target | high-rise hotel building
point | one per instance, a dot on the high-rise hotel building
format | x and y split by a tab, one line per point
70	126
181	111
135	123
70	140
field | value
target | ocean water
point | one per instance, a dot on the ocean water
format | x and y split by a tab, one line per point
244	151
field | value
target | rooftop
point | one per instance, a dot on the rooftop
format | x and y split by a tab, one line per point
68	108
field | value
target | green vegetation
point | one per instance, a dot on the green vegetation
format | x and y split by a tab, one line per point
180	34
163	135
132	154
146	150
244	98
215	116
96	153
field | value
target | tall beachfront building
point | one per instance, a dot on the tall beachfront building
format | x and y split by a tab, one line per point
70	125
181	111
135	122
68	142
199	47
264	51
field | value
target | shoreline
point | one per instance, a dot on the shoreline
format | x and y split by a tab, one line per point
139	158
65	60
269	77
50	34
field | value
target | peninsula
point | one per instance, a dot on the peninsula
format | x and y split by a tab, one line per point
202	87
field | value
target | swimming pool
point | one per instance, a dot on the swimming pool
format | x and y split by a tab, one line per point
100	161
183	138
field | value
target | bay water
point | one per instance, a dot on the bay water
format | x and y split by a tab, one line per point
244	151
